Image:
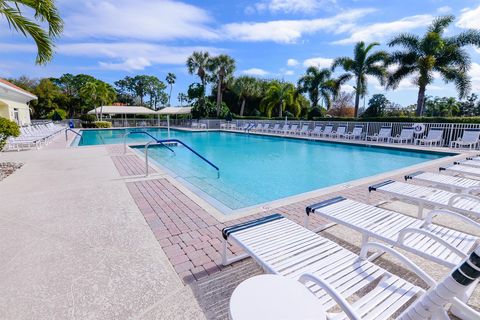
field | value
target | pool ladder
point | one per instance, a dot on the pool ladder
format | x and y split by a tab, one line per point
70	129
164	143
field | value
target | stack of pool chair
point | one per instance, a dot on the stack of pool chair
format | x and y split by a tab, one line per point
334	274
34	136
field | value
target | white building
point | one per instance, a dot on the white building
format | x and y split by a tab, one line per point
14	103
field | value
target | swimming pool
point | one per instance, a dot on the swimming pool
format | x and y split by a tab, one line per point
256	169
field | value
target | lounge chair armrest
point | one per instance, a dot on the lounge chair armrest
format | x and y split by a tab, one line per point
332	292
433	213
407	262
469	190
456	197
404	232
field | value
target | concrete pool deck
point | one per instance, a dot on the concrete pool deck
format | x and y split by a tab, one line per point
85	235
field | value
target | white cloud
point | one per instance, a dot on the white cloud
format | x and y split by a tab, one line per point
292	6
292	62
141	19
255	72
131	56
318	62
289	31
444	9
469	18
289	73
379	31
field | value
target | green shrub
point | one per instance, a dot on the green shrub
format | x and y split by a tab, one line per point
8	129
101	124
57	114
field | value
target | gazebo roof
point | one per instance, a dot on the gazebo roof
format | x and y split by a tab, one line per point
175	110
123	110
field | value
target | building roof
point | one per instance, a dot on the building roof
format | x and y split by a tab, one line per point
176	110
123	110
7	84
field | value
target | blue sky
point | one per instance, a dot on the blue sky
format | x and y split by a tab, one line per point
268	38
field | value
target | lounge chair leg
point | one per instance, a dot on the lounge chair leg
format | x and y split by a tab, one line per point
420	210
307	220
225	260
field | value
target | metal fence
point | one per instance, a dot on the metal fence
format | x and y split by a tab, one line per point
451	131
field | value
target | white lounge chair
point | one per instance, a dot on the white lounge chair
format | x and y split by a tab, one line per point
468	163
257	128
327	130
469	139
303	130
284	129
405	136
356	133
383	135
462	170
331	272
293	129
448	182
317	131
434	137
265	127
275	128
433	242
340	132
425	196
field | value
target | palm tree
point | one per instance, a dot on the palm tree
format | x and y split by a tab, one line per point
171	77
245	87
198	64
320	85
98	93
283	96
221	67
433	53
362	65
44	11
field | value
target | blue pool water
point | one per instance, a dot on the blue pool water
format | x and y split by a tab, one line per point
257	169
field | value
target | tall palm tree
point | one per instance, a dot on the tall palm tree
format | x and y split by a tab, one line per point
246	87
283	96
433	53
362	65
320	85
171	77
221	67
198	64
44	11
98	93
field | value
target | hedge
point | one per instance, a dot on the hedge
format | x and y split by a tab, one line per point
101	124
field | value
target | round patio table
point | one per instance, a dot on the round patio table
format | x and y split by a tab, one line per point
273	297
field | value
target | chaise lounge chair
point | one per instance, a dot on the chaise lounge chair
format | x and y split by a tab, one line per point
275	128
339	133
434	137
383	135
327	131
468	163
317	131
462	170
331	272
357	133
452	183
404	137
303	130
425	196
433	242
469	139
293	129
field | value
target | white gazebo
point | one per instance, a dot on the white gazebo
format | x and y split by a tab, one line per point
168	111
125	110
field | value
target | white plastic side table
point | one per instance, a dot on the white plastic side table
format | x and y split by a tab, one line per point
272	297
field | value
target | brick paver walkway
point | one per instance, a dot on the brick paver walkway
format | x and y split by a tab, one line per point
130	165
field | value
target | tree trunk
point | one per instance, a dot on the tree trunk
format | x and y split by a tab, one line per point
280	109
219	95
357	97
170	94
420	100
242	108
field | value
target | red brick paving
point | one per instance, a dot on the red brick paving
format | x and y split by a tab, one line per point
130	165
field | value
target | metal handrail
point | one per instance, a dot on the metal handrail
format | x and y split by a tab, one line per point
144	132
195	152
70	129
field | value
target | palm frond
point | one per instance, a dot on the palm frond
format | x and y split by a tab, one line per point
407	40
345	62
439	24
399	74
468	37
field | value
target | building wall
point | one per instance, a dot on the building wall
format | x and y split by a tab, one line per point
23	111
